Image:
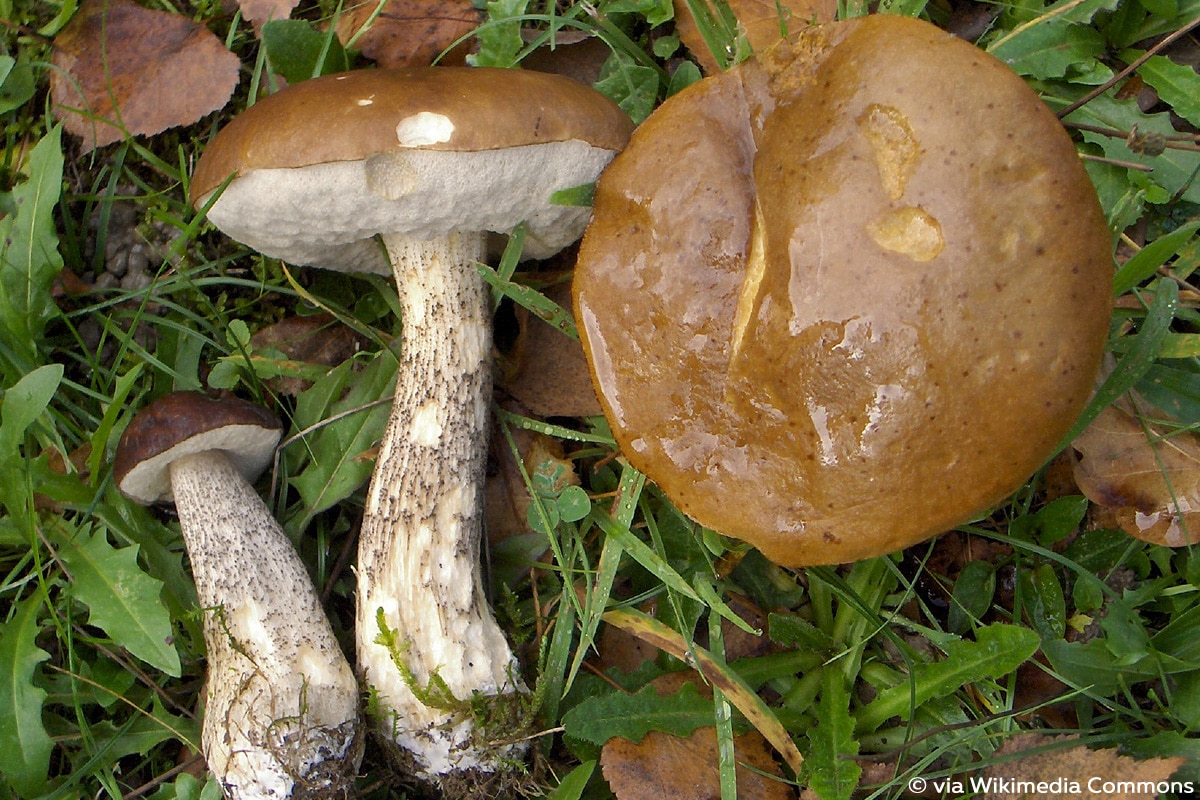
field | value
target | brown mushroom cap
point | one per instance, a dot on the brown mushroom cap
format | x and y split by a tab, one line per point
323	166
184	423
868	305
352	115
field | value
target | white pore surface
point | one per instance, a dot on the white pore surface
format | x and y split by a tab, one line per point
326	215
249	447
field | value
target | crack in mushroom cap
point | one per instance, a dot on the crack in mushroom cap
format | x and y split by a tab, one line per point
323	166
184	423
867	310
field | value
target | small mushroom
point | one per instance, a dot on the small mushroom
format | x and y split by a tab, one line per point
281	702
867	306
429	161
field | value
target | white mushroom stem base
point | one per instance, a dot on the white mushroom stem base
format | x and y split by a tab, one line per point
281	705
438	666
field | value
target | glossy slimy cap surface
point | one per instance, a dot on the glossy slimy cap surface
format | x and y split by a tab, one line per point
848	294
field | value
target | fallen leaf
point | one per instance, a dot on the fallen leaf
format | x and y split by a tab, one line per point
1039	690
743	698
68	284
313	339
506	507
1032	766
410	33
970	19
619	648
740	643
955	550
662	764
759	19
260	11
1149	476
549	373
666	766
124	69
76	463
578	57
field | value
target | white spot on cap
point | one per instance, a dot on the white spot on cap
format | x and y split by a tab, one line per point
423	129
366	101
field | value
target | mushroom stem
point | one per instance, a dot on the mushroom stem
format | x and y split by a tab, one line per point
430	650
281	703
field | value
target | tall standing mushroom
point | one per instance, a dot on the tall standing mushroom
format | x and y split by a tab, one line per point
281	702
430	161
870	307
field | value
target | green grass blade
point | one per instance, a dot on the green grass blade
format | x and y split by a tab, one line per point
1138	358
644	555
575	782
1147	260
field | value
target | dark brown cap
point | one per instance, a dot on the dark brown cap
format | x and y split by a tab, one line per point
183	423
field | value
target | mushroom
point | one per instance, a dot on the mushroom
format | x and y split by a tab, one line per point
281	702
869	307
430	161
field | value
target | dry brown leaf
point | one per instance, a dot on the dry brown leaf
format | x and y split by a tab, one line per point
739	694
1066	771
315	339
1150	479
139	70
581	58
1037	689
260	11
619	648
740	643
507	501
75	463
667	766
411	33
549	372
758	18
69	284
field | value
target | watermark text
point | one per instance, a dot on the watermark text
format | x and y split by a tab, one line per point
1092	787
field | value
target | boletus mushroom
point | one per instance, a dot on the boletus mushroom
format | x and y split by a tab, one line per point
281	701
847	294
428	161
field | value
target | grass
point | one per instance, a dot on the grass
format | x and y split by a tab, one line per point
1038	616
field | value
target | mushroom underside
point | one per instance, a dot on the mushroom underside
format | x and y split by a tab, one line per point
422	194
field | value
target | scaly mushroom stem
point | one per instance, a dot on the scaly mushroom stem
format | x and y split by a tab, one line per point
281	705
429	648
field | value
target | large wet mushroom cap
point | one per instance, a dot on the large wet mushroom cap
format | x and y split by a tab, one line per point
325	165
847	295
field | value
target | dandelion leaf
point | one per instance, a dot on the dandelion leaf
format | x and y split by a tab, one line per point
25	756
123	600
